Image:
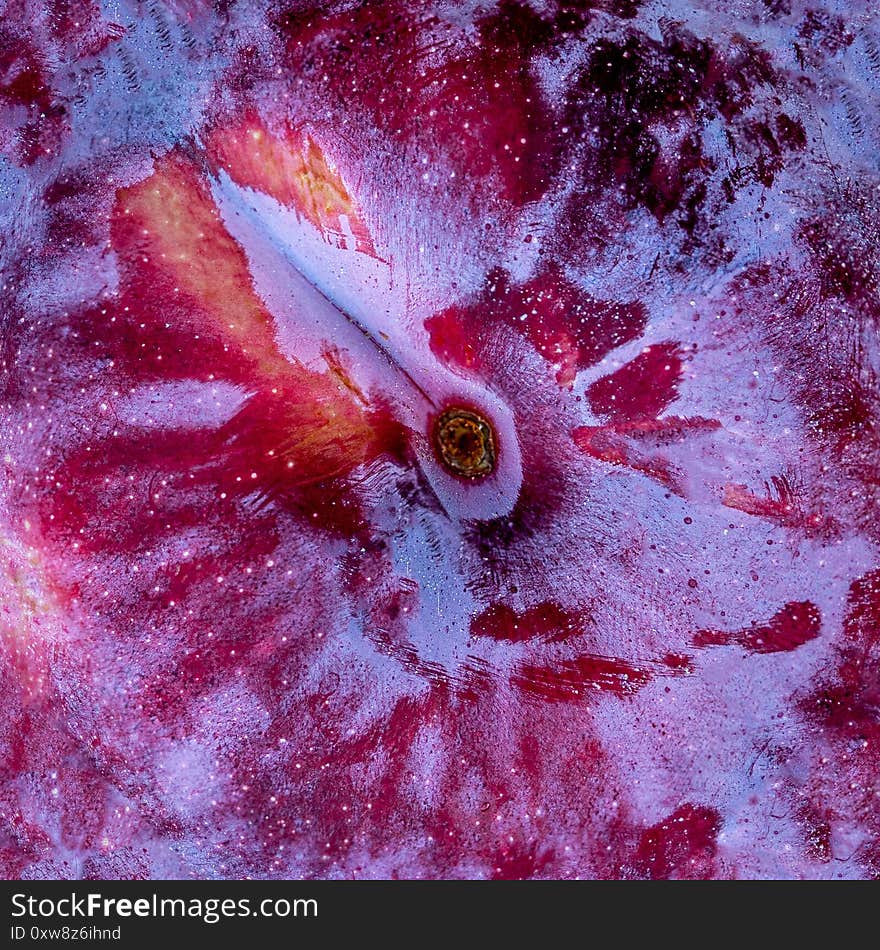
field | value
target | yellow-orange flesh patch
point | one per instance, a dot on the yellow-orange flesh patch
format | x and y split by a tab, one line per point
170	239
292	168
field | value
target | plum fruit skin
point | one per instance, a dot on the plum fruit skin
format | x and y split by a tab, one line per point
250	627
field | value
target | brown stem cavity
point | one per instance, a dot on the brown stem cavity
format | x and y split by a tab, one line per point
465	443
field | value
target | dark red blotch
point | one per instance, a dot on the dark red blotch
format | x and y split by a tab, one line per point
789	628
682	846
644	387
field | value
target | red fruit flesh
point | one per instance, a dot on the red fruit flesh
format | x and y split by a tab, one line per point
252	624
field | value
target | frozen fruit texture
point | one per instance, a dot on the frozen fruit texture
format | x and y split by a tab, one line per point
569	328
252	251
791	627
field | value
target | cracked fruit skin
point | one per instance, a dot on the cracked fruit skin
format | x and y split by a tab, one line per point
255	623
